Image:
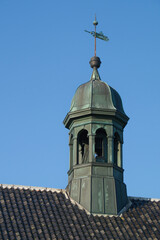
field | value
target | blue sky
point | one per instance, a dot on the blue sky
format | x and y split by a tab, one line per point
44	57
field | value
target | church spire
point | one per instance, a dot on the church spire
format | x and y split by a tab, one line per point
96	121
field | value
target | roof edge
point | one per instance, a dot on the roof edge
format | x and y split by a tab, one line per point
65	192
145	199
32	188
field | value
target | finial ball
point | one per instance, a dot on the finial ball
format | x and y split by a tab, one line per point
95	62
95	22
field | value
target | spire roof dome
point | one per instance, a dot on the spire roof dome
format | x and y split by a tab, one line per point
96	94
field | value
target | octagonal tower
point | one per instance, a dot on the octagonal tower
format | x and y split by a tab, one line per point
96	121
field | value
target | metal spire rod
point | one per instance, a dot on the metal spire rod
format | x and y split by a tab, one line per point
95	23
99	35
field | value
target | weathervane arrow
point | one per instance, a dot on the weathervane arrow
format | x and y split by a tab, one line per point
99	35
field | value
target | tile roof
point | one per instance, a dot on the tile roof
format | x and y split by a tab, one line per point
45	213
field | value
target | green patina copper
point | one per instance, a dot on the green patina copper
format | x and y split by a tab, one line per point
99	35
96	94
96	183
96	121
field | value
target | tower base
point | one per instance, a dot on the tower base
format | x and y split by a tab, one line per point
102	191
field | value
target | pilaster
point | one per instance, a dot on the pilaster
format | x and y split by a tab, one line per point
91	147
75	151
110	149
71	155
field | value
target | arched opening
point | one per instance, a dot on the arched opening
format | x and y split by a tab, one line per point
117	150
101	146
83	147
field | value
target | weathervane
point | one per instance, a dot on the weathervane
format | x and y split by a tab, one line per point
99	35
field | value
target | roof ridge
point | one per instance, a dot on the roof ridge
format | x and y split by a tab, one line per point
32	188
144	198
65	192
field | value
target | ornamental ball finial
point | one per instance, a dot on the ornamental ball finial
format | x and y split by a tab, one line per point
95	23
95	62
